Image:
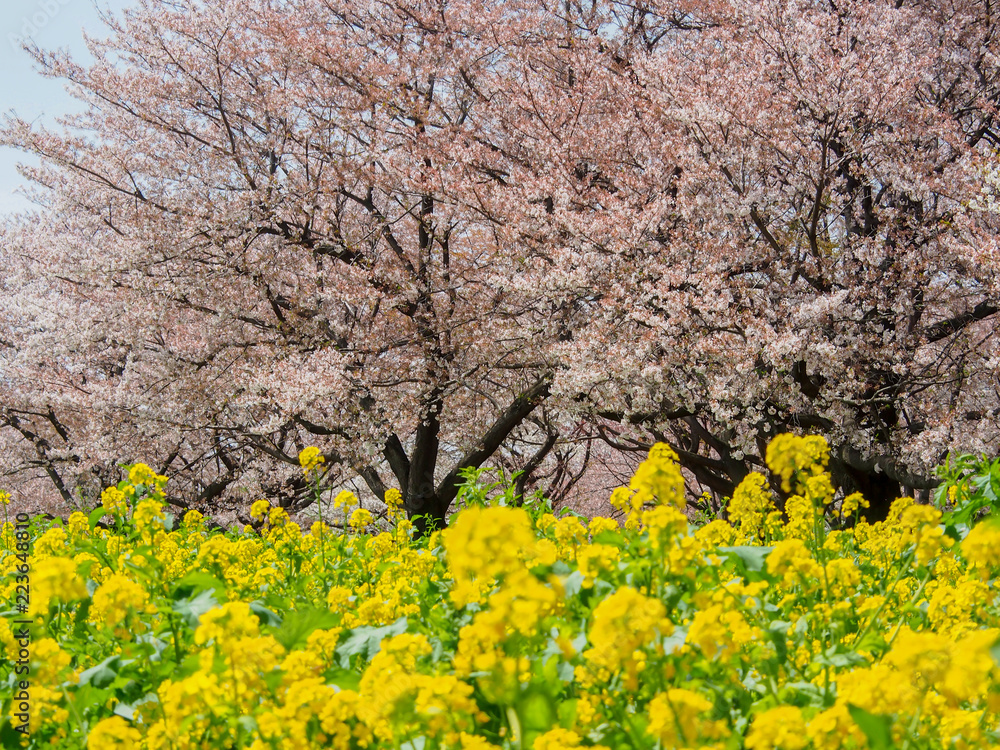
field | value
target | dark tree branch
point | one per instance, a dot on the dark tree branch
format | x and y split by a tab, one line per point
42	447
419	498
946	328
373	480
520	408
887	465
533	463
398	462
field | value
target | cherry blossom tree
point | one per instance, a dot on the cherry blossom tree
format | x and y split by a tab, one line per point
808	175
431	235
277	224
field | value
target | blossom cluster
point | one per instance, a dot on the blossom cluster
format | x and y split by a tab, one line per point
782	626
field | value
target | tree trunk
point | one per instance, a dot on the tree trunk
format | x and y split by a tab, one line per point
879	490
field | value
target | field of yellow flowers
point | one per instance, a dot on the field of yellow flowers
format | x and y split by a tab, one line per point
512	628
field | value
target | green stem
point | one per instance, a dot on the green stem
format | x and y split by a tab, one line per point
904	565
322	535
913	599
177	643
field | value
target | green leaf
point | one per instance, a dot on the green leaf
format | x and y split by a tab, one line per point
995	651
82	615
190	665
87	696
955	532
154	645
104	673
572	584
801	694
878	729
672	642
536	711
560	568
248	723
566	671
125	711
299	624
95	516
367	641
872	643
995	479
9	736
193	608
776	632
195	582
611	538
549	672
567	713
345	679
837	657
265	614
752	557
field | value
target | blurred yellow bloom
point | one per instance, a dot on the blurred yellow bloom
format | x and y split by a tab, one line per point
361	519
113	734
114	501
345	499
781	728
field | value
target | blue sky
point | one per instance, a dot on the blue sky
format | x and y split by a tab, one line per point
51	24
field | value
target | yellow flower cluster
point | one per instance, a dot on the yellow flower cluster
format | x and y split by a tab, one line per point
780	728
621	625
141	474
681	718
657	481
115	599
114	502
750	506
115	733
310	459
483	544
514	628
345	499
361	519
393	503
796	459
981	547
260	509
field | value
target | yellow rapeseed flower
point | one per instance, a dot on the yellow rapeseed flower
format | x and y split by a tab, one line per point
310	459
677	718
486	543
781	728
981	546
345	499
750	504
361	519
114	502
796	458
621	625
115	598
113	734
